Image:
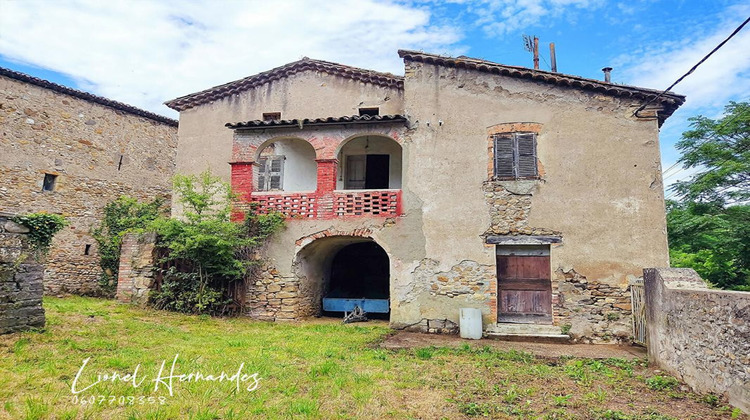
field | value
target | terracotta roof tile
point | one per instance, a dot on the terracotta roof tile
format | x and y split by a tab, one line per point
354	119
86	96
209	95
669	101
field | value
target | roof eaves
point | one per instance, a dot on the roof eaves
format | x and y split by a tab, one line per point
86	96
218	92
670	101
354	119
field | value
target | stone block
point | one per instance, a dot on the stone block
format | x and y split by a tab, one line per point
14	227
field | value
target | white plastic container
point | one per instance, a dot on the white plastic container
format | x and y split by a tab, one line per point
470	324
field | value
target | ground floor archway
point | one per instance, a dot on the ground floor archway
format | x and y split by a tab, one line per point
341	271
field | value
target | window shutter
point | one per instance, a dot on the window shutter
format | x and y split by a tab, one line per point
526	162
275	173
504	156
262	163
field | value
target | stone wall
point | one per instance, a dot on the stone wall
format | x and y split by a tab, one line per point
136	271
20	280
98	150
700	335
595	311
271	297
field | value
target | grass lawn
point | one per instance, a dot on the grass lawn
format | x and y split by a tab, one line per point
315	369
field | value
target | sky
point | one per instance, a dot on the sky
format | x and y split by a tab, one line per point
145	52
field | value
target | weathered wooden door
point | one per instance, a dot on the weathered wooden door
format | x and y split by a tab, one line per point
523	284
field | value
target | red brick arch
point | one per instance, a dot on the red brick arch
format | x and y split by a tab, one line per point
306	240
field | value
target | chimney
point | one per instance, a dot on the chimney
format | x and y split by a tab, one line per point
607	71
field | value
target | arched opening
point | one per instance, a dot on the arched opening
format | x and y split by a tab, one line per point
287	165
340	272
360	271
371	162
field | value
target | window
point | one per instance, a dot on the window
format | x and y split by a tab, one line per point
87	250
515	155
369	111
271	173
49	182
271	116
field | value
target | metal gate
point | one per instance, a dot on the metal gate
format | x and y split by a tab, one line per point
638	300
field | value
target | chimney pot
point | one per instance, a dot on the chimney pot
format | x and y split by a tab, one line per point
607	74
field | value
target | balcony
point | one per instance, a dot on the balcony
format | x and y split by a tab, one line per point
338	203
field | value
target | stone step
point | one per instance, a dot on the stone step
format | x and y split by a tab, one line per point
527	332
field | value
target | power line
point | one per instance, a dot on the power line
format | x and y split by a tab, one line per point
664	172
739	28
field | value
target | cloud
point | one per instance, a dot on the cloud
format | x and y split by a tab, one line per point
723	77
502	17
144	52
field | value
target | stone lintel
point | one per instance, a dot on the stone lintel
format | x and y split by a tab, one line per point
523	240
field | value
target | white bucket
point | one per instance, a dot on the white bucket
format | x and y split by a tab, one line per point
470	323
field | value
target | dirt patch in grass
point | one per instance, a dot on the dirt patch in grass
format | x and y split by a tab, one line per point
407	340
318	369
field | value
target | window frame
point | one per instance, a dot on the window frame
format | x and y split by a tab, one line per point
271	116
51	185
372	111
265	164
515	155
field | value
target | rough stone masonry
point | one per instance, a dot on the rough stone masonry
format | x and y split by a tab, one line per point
69	152
700	335
20	280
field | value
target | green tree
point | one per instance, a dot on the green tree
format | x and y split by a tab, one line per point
721	150
709	228
206	251
713	240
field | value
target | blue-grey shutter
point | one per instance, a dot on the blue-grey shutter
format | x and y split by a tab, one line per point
275	173
526	158
262	174
504	156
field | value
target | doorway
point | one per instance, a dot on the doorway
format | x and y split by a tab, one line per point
369	172
524	285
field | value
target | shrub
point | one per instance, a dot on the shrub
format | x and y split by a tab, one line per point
42	228
206	250
120	217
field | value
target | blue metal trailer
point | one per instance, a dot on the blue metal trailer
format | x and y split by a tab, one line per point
376	306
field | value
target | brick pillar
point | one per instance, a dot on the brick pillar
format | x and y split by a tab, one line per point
242	185
327	171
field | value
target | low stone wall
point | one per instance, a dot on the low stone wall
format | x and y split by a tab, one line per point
20	281
136	272
697	334
271	297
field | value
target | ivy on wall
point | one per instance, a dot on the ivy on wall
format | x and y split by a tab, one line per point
42	228
121	216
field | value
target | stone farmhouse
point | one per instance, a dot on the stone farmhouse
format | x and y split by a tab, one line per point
534	196
70	152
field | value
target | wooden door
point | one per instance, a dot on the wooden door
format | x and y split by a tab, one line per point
523	284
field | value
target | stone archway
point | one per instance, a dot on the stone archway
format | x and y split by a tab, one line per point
341	267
